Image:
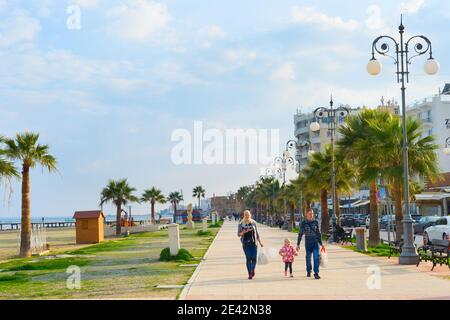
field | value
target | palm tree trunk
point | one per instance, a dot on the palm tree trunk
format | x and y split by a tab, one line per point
199	203
118	220
325	224
374	229
174	212
398	193
25	228
338	208
153	213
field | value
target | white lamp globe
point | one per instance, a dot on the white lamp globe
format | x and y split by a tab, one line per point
431	67
447	151
374	67
314	126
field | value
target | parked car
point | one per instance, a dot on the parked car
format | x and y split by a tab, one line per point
440	230
348	221
360	219
385	220
367	221
425	222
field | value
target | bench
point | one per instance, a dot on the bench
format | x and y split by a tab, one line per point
341	235
436	252
394	247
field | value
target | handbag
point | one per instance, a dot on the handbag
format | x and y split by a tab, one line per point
323	258
262	256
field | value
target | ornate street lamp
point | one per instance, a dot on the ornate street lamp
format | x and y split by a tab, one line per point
332	114
291	144
402	59
283	162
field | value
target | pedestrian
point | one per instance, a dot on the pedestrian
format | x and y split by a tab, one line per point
313	238
288	252
248	232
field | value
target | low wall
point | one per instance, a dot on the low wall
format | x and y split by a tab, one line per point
111	231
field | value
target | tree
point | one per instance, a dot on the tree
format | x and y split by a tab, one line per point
198	192
153	196
318	176
422	157
7	168
357	144
175	198
120	194
25	149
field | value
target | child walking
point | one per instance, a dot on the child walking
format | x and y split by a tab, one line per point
288	252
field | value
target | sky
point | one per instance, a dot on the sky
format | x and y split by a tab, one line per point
107	83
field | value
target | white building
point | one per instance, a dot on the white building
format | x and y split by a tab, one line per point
317	139
434	114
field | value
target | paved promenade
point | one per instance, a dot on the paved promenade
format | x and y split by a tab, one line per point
348	275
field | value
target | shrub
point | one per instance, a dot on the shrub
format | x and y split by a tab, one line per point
218	224
204	233
183	255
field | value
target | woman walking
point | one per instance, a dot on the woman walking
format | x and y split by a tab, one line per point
249	235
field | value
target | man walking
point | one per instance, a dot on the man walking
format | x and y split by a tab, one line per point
313	238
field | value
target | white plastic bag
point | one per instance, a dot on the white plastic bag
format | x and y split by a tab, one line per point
262	256
323	256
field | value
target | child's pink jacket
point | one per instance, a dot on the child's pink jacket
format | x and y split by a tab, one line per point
288	253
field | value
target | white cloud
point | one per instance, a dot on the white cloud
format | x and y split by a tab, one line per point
214	31
284	72
374	20
309	15
138	20
412	6
19	27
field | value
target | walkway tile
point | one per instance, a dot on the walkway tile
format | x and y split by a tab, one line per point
348	275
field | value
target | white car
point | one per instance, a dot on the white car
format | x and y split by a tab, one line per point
440	231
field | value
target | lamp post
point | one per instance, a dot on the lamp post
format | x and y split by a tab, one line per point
298	145
270	174
331	113
402	59
283	161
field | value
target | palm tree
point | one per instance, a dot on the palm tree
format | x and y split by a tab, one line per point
267	189
198	192
318	176
120	193
25	148
242	195
357	144
153	196
175	198
422	157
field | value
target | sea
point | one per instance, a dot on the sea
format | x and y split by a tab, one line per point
8	220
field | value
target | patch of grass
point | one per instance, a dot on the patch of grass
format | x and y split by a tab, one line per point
183	255
381	250
44	264
14	278
115	245
204	233
218	224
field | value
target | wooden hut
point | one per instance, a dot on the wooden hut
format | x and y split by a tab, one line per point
89	226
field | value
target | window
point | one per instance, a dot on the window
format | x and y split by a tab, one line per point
84	224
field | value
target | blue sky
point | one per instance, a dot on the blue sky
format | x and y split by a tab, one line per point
108	96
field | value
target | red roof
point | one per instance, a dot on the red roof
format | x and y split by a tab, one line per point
88	214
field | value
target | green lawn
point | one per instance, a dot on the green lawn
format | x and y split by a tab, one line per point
381	250
125	268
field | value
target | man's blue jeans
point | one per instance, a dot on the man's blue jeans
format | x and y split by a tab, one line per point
312	248
250	255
